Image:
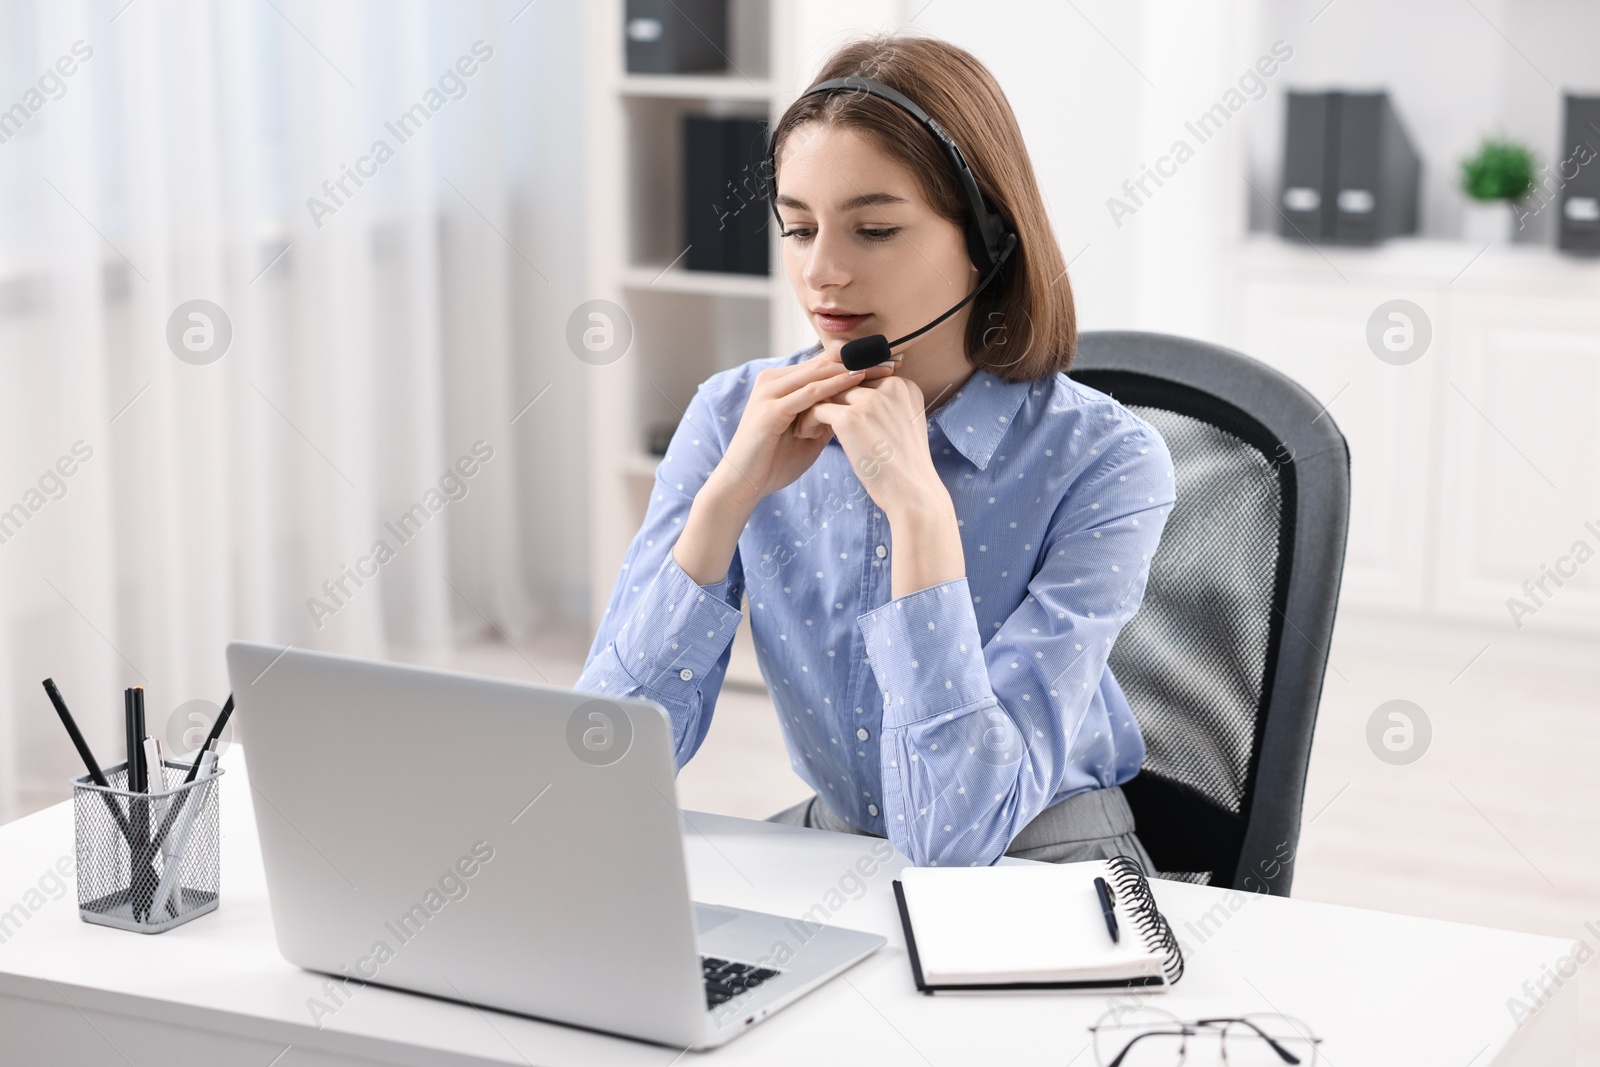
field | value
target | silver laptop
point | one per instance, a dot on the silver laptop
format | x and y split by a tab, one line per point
510	845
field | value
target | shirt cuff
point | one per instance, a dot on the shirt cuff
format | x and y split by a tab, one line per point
925	652
677	633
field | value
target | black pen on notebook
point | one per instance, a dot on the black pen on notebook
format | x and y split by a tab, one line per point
1103	891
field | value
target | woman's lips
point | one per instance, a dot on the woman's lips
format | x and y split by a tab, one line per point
840	323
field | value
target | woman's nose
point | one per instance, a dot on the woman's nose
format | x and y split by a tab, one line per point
825	263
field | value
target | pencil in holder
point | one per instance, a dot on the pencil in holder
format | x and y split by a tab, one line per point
147	861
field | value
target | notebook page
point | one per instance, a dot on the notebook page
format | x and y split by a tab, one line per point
1020	924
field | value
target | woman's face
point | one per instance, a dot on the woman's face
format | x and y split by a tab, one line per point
892	260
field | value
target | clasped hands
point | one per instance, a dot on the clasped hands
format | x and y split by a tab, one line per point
793	411
882	426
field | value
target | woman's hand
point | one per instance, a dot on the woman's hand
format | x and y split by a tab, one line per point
766	452
883	428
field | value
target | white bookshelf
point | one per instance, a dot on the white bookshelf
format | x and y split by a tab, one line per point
687	325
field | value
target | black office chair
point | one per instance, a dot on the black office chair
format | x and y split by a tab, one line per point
1223	662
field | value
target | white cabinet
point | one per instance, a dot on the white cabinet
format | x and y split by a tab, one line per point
1317	336
1475	466
1520	463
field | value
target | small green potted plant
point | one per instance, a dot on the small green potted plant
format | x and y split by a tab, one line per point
1498	175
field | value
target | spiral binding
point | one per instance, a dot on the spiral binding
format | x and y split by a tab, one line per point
1132	884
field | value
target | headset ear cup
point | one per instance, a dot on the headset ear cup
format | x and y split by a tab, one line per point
978	251
991	243
991	236
1008	244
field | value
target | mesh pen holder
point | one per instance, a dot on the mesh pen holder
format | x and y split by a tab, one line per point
147	861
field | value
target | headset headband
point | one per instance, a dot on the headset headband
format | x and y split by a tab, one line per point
986	231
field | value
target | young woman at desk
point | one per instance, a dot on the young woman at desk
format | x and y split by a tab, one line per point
939	551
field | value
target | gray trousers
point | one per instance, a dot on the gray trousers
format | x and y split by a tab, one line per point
1092	825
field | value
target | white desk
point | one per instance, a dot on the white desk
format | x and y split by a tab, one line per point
1382	989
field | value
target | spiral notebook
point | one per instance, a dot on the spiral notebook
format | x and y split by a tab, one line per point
1034	927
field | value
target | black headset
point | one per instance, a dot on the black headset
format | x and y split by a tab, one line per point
990	241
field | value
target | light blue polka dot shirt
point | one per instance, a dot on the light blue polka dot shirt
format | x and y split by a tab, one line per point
947	719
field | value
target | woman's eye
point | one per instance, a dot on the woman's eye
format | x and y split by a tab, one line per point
871	235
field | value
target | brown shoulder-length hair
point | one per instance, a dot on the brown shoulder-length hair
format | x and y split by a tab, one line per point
1023	326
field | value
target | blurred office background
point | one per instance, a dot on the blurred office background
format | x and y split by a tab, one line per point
390	315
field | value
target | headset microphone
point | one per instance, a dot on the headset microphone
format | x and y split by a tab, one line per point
872	350
990	241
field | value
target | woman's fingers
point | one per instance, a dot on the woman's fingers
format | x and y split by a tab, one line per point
816	368
794	403
789	397
807	370
807	425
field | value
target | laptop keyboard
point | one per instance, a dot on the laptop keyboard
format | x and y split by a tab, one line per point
726	980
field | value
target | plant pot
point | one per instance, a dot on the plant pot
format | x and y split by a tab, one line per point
1487	222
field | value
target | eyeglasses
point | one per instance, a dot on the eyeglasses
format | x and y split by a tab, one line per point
1149	1037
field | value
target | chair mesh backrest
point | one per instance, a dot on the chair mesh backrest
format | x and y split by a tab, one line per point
1196	660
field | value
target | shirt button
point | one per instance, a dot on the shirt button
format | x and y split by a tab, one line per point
881	551
686	674
872	809
861	734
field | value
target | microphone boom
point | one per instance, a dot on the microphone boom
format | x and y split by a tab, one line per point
874	349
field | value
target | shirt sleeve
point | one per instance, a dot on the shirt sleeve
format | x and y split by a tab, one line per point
976	738
663	635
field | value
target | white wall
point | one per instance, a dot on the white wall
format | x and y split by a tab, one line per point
1073	95
546	52
1102	90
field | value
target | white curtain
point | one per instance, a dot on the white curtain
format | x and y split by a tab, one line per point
375	343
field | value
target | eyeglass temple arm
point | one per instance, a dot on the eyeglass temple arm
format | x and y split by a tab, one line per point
1185	1032
1283	1053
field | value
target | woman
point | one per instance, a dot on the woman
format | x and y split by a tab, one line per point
939	551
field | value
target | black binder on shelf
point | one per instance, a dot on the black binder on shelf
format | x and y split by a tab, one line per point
1024	927
1310	168
724	215
676	36
1350	172
1578	224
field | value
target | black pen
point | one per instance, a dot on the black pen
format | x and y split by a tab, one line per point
132	738
137	837
97	775
1103	891
89	761
216	732
142	819
211	740
138	734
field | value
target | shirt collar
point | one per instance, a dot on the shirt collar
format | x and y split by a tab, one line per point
977	417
